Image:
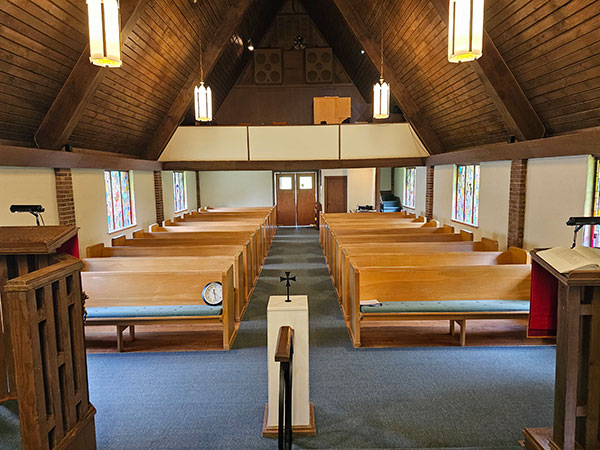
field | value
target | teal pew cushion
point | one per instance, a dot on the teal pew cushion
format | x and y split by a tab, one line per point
153	311
449	306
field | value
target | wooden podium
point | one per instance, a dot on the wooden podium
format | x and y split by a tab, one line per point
42	349
577	384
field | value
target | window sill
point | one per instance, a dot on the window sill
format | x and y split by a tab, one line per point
409	207
122	229
464	223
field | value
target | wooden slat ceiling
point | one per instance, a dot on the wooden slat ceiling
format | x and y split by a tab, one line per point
551	47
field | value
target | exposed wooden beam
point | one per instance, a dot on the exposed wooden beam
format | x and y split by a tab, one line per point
412	112
502	86
583	142
33	157
293	165
80	87
184	99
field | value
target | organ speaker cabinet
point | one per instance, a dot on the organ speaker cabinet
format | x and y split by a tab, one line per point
268	67
319	65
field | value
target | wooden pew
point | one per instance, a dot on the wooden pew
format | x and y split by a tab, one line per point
513	255
428	285
112	292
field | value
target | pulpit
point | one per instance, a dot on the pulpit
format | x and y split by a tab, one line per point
42	350
577	385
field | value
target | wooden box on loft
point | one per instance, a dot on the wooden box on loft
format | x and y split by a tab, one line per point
331	110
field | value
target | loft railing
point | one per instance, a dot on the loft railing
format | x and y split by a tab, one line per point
284	356
46	326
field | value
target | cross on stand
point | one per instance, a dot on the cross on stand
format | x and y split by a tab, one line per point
287	280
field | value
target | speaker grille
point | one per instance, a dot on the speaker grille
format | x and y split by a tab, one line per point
319	65
267	66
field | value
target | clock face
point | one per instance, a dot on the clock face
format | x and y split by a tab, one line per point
212	293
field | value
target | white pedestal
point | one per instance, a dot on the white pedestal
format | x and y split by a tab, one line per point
295	314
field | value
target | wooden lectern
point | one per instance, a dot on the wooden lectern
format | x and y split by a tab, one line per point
577	384
42	349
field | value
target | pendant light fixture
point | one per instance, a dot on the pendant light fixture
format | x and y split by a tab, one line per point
202	96
465	30
105	32
381	92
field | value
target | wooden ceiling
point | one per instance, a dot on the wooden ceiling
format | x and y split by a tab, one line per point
541	74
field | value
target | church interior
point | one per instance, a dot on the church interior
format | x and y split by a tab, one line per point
332	224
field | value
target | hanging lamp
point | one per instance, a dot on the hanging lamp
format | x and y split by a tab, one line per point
105	32
381	92
465	30
202	96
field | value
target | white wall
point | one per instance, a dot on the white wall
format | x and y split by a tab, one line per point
420	188
385	179
556	190
361	187
493	200
90	205
27	186
399	173
236	188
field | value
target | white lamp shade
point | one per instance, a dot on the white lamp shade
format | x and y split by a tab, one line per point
465	30
105	33
381	100
203	103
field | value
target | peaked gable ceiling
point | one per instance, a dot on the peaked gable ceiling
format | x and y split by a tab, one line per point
549	49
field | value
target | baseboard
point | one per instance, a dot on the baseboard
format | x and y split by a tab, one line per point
297	430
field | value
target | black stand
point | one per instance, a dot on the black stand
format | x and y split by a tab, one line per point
287	280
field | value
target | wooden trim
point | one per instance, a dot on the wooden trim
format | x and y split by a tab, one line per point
377	189
583	142
32	157
295	165
502	86
80	88
411	110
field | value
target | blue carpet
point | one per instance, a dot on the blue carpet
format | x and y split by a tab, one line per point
406	398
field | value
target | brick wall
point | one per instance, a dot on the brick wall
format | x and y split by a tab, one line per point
516	202
198	189
64	196
158	197
429	193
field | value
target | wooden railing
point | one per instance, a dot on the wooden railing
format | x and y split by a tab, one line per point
284	355
46	329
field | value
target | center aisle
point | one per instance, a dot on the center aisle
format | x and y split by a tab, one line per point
436	397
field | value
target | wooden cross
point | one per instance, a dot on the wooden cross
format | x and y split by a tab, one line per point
287	280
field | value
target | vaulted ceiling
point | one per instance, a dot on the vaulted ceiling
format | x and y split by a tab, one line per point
540	73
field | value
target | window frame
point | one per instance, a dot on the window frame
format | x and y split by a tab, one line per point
110	200
184	191
474	195
414	188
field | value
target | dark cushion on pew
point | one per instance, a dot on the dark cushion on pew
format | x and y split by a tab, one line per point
107	312
449	306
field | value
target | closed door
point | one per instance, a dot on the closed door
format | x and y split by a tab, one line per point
286	199
336	194
305	198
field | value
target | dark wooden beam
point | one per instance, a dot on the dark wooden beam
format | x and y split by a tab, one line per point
293	165
34	157
412	112
184	99
502	86
79	89
583	142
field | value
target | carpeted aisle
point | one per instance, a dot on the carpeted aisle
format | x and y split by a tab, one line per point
436	397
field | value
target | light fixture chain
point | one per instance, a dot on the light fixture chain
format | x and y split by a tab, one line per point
201	61
381	39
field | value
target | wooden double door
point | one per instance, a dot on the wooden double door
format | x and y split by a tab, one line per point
296	198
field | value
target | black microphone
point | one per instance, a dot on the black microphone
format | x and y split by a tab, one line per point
27	208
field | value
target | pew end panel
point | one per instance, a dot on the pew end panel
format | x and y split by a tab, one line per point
466	235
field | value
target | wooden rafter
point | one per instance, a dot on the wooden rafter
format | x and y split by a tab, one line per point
184	99
80	87
410	109
502	86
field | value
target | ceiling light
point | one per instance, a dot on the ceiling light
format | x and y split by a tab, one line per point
465	30
250	45
202	96
105	33
381	93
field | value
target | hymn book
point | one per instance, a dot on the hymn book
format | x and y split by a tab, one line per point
565	260
370	303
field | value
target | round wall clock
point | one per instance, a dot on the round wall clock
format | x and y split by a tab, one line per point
212	294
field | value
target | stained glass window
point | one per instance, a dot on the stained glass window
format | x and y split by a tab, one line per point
119	200
466	199
179	196
594	240
409	188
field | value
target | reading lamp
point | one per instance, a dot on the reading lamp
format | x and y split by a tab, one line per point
579	223
31	209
